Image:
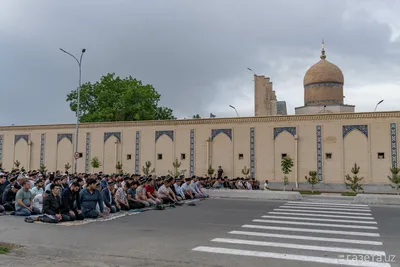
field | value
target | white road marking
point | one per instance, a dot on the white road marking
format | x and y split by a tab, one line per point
312	238
294	257
321	215
325	203
316	219
323	208
329	212
318	224
310	230
348	251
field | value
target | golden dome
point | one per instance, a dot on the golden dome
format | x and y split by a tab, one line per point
323	83
323	72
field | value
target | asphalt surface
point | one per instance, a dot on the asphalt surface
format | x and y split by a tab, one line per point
203	236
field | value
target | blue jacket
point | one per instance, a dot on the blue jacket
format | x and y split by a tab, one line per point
106	197
89	201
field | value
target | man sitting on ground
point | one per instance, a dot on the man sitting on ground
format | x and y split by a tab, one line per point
132	200
89	198
70	195
52	204
180	195
141	192
121	197
186	189
109	199
8	198
23	200
165	194
152	196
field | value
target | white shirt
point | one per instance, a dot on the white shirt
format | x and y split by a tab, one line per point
249	186
163	191
37	202
193	187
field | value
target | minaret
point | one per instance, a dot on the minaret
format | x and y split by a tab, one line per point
264	97
323	56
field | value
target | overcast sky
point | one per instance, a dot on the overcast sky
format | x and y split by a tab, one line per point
195	53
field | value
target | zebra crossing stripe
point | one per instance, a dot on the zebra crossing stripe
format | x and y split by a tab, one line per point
311	238
329	206
316	219
285	256
320	215
328	212
324	208
348	251
310	230
318	224
325	203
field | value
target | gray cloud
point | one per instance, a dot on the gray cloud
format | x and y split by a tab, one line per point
194	53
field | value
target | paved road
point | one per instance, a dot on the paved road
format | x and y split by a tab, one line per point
216	233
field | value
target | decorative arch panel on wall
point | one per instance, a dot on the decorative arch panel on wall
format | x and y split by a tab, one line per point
168	133
64	135
215	132
278	130
21	136
111	150
115	134
348	128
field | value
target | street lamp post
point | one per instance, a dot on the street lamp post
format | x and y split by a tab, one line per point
234	109
252	71
380	102
78	105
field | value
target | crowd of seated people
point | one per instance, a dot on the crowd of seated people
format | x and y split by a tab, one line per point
65	197
235	183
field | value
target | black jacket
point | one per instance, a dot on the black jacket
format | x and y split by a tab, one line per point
106	198
2	188
68	200
51	204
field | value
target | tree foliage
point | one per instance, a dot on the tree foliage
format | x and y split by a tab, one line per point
210	171
95	163
118	167
312	179
176	171
116	99
43	169
197	116
395	178
67	166
246	172
146	168
354	182
286	166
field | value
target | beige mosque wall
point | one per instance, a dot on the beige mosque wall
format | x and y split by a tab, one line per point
327	143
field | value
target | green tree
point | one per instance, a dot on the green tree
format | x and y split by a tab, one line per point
116	99
17	163
286	166
146	168
95	163
395	179
176	171
312	179
354	182
197	116
210	171
119	168
67	166
42	169
246	172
